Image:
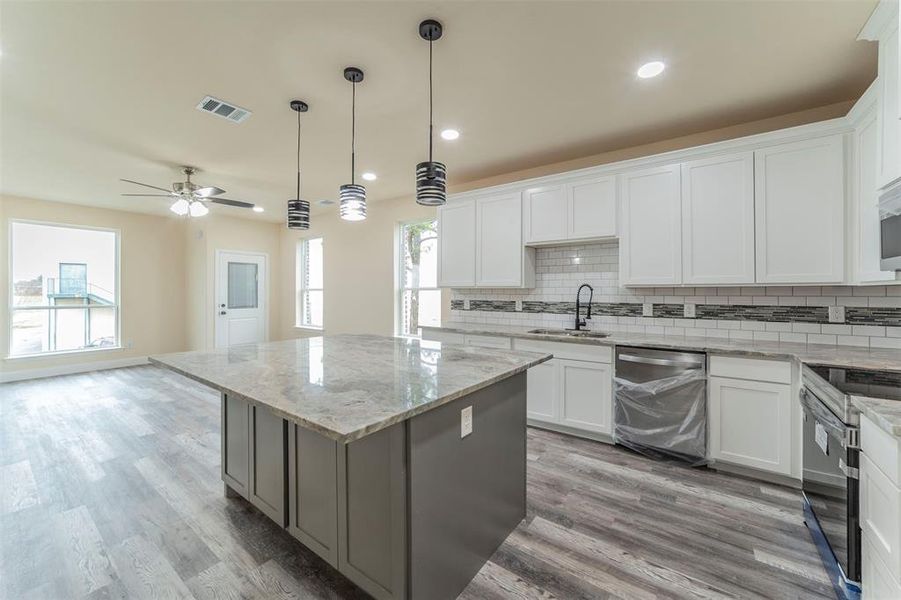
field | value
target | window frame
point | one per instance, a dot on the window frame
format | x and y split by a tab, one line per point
300	278
399	276
117	306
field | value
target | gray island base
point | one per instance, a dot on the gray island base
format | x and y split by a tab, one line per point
411	509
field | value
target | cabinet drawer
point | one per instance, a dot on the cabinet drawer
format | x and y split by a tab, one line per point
445	337
877	580
754	369
487	341
882	449
880	514
603	354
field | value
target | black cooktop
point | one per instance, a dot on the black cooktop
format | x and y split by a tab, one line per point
859	382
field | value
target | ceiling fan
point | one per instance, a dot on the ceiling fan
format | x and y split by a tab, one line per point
190	198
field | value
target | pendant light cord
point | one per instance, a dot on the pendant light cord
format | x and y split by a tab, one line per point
430	100
353	130
298	155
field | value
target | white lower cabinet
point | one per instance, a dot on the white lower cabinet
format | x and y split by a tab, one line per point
880	511
541	391
751	423
585	394
877	582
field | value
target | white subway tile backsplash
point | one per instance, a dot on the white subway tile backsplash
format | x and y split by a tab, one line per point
560	270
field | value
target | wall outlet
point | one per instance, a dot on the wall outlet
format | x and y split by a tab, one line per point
466	304
465	422
689	311
647	309
836	314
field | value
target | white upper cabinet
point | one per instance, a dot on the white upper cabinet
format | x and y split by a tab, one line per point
499	247
889	108
883	27
591	207
718	220
545	214
457	244
578	209
650	247
800	208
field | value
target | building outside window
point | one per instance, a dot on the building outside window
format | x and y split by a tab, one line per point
64	289
309	309
419	298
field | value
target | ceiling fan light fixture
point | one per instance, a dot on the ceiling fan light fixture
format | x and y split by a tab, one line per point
180	207
198	209
431	175
298	209
352	196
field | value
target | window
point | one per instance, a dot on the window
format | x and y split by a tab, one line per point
309	283
64	289
419	299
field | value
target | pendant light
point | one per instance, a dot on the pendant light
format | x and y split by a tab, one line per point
352	195
298	209
431	176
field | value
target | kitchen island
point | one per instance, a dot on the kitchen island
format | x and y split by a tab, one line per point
400	462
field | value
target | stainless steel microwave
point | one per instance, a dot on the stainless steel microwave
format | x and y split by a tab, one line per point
890	229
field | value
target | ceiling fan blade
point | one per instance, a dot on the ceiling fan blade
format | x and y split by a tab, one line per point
228	202
209	191
150	195
147	185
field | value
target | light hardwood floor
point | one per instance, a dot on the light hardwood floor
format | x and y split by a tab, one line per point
109	488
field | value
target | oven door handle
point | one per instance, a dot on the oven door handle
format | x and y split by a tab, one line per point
850	472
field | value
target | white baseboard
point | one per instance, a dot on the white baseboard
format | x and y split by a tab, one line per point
99	365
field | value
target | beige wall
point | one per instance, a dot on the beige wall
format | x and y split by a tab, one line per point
151	279
359	259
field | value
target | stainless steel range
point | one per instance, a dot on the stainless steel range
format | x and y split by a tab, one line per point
831	462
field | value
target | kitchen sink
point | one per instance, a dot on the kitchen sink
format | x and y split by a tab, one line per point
571	333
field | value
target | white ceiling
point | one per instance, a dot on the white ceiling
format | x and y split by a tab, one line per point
95	91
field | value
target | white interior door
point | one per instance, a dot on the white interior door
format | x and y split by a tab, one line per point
240	298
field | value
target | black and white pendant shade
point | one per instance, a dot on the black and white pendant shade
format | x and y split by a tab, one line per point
298	214
298	209
431	183
352	198
431	175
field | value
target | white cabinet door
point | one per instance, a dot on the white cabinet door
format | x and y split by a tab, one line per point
877	580
751	423
889	123
586	395
457	244
499	247
718	220
591	207
880	513
544	212
650	247
800	208
542	392
866	202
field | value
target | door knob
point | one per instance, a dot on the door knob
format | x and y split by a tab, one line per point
221	312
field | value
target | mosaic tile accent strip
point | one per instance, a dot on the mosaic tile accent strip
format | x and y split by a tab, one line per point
457	304
616	309
672	311
873	316
493	305
773	314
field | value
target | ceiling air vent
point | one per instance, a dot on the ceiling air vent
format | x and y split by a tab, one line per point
217	107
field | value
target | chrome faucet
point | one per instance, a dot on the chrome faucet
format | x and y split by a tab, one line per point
580	323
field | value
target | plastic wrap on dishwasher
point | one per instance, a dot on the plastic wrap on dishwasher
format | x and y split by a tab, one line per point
664	418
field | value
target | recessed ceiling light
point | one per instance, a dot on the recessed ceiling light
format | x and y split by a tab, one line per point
258	209
651	69
450	134
369	176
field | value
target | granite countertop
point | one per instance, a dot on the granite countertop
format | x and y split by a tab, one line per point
348	386
850	357
886	414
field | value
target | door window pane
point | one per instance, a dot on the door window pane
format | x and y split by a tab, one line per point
242	285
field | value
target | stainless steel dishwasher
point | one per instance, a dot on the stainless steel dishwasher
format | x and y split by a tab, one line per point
660	403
